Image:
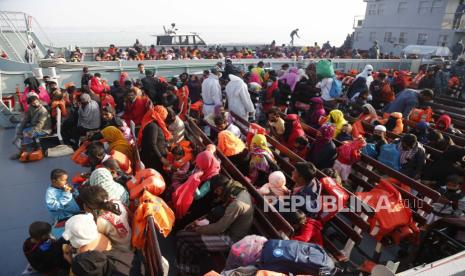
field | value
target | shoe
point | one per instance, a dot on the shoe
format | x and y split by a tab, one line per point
15	156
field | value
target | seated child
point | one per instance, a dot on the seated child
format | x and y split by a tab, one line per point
302	147
118	175
179	157
59	199
44	253
333	174
305	229
275	122
348	154
58	102
345	134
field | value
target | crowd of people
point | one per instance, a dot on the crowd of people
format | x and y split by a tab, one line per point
93	230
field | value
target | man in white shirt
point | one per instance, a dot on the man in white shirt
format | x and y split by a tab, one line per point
211	92
238	97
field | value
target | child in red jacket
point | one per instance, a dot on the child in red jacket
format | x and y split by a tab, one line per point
348	154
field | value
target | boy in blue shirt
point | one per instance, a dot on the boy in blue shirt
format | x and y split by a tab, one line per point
59	197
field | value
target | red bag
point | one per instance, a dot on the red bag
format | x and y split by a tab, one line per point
31	156
330	208
79	156
421	115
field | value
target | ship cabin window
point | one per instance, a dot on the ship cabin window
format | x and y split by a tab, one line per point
403	38
358	36
380	8
437	6
422	38
387	37
371	9
372	36
402	8
424	7
442	39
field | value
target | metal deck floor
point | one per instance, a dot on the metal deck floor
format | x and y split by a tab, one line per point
22	200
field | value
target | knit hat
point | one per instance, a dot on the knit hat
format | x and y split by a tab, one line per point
380	128
80	230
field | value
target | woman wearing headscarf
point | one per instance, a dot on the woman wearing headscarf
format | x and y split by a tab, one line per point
186	198
116	141
369	114
33	85
218	110
323	151
153	137
315	113
361	82
88	113
102	177
261	160
291	78
293	130
394	123
175	126
444	123
336	118
233	148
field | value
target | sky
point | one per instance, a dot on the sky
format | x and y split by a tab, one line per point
95	22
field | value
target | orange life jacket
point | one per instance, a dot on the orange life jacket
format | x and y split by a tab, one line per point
146	179
163	216
421	115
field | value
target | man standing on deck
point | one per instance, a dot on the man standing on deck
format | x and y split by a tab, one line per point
238	96
294	33
458	15
141	69
211	92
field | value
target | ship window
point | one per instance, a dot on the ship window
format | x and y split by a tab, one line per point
437	6
424	7
372	36
422	38
372	9
402	7
380	8
358	36
387	37
403	38
442	39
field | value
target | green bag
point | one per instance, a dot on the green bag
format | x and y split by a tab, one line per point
324	69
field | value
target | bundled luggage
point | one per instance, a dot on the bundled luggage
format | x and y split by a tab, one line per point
324	69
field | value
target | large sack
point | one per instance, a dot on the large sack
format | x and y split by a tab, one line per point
288	256
245	252
60	150
324	69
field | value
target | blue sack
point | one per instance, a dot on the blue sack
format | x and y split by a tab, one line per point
389	155
336	88
288	256
370	150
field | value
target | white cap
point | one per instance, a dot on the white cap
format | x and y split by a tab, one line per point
380	128
80	230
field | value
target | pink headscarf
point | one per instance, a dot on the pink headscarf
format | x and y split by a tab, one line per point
276	185
291	78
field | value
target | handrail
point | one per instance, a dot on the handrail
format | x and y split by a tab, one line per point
15	30
152	252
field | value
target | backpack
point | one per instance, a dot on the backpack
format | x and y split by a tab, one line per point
389	155
289	256
370	150
336	88
30	156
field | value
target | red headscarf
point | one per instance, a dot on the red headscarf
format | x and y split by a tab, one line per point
446	120
207	166
297	130
158	114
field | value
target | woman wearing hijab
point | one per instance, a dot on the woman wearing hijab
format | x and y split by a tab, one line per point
361	82
33	85
336	118
369	114
175	126
233	148
291	78
116	141
109	118
88	113
323	152
444	123
261	160
102	177
193	198
153	137
315	113
293	130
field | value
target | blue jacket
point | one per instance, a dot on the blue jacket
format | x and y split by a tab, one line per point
404	103
60	204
